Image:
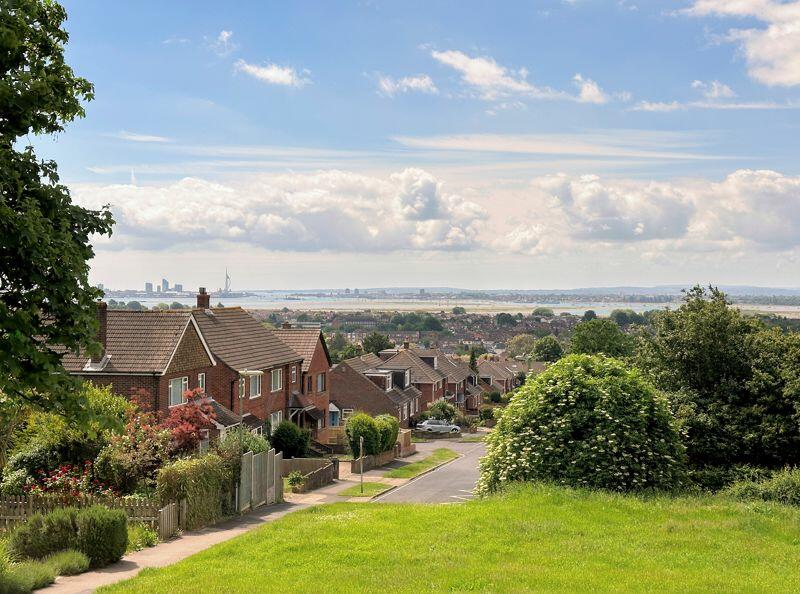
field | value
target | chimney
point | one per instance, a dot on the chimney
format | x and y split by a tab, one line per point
406	345
286	325
102	330
203	299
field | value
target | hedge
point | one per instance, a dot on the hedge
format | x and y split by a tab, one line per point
388	428
205	484
102	534
43	535
363	425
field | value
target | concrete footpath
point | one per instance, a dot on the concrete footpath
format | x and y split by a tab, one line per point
172	551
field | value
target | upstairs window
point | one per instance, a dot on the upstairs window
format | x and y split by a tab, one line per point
201	381
321	382
294	374
177	387
309	384
277	379
255	386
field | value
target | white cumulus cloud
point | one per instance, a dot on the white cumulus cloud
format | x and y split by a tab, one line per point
421	83
273	74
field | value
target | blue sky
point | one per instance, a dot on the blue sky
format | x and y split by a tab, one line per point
514	144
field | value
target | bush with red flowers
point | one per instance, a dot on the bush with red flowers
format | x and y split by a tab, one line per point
70	480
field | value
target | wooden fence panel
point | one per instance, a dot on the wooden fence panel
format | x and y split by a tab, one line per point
168	521
259	474
246	482
270	488
278	479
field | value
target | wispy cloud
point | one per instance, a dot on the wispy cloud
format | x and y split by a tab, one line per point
274	74
716	95
421	83
136	137
223	44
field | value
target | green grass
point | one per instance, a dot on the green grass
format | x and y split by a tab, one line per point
535	539
472	439
438	456
370	490
420	440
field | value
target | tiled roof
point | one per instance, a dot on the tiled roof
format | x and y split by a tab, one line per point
239	340
454	372
421	372
364	362
303	341
351	389
222	415
137	341
494	369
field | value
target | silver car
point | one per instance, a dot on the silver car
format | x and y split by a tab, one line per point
437	426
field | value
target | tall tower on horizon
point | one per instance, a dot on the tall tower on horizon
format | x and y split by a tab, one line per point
227	282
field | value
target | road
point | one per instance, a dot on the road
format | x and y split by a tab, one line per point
451	483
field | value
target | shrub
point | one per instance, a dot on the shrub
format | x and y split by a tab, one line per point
102	534
782	487
69	562
715	478
140	536
494	396
290	439
15	482
485	412
388	428
362	425
238	441
25	577
588	421
187	423
205	484
464	421
43	535
295	478
441	409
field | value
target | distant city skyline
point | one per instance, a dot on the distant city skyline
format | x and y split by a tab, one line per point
529	145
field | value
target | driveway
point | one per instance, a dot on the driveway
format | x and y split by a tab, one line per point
451	483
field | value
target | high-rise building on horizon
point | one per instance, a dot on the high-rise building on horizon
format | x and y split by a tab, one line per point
148	287
178	287
164	284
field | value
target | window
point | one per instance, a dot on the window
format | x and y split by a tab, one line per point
309	384
334	418
321	382
346	412
201	381
277	379
177	387
275	420
255	386
294	374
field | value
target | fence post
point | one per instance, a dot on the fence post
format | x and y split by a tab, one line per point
278	478
182	512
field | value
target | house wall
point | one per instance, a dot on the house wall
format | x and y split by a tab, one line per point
429	394
319	365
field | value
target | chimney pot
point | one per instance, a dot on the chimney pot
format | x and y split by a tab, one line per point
406	345
203	299
286	325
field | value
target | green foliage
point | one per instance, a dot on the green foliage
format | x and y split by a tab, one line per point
295	478
547	349
388	428
25	577
587	421
46	302
441	409
544	312
15	482
597	337
414	321
290	439
45	534
588	315
782	487
521	345
362	425
505	320
734	385
140	536
375	343
625	317
205	484
102	534
494	396
459	311
238	441
485	412
715	478
69	562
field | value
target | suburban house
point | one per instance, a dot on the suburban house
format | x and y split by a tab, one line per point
155	353
309	344
458	374
357	385
431	382
493	375
257	375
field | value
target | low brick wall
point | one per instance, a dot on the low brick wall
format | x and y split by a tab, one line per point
308	465
320	477
404	440
371	462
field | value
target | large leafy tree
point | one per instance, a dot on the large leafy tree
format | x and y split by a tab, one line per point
375	343
600	337
547	349
46	301
521	345
732	382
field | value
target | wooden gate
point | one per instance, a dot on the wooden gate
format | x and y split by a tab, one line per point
246	482
259	495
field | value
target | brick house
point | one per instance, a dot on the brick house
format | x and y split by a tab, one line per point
495	376
159	353
256	373
357	386
310	344
457	373
431	382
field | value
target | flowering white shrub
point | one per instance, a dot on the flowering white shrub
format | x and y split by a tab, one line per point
587	421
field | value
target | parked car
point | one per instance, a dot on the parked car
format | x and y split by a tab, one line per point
438	426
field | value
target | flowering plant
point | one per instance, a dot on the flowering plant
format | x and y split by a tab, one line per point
69	480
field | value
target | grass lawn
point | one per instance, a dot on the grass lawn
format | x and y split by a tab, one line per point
411	470
370	490
542	539
472	439
420	440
